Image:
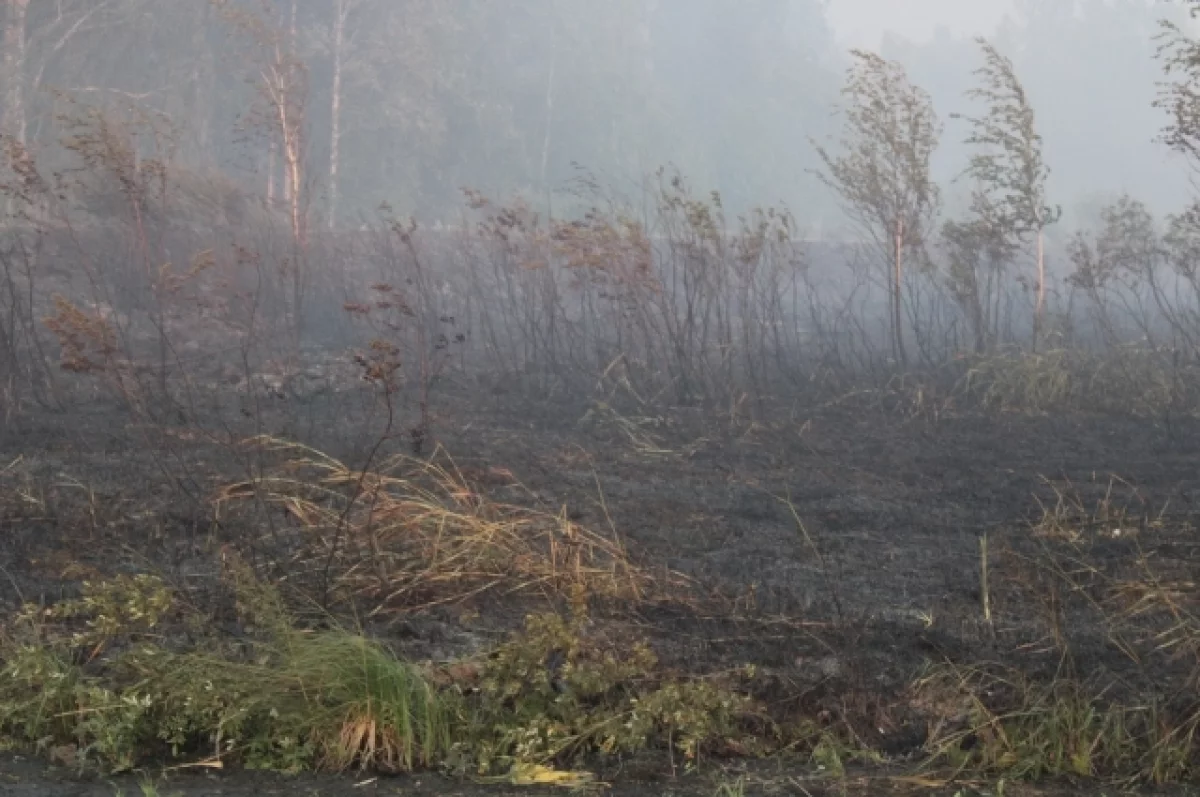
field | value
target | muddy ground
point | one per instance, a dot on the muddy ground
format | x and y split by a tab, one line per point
878	579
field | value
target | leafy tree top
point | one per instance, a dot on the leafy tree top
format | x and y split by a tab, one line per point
1007	163
890	131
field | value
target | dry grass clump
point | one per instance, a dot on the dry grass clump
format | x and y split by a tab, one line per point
1107	555
1071	518
415	533
1000	722
1132	380
1123	612
645	436
1153	611
1020	381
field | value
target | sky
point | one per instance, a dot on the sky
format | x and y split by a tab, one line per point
862	23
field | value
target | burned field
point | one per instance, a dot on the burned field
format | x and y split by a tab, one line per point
377	416
577	502
823	561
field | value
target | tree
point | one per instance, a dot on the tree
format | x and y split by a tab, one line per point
1121	260
882	175
1179	93
1008	164
388	74
977	251
281	78
14	69
155	55
341	13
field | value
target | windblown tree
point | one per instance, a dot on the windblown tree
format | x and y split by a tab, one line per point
1008	165
881	175
1179	96
1179	93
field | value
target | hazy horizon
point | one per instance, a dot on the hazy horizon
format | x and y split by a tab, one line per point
510	98
865	23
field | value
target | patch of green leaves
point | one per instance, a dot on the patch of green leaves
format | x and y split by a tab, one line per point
553	694
289	699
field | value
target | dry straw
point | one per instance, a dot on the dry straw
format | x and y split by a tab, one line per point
415	533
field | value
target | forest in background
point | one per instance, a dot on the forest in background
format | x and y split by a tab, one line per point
409	101
711	192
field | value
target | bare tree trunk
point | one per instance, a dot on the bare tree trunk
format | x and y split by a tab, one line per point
14	70
1039	308
289	193
271	173
978	321
290	189
291	151
284	87
204	88
897	307
340	10
299	245
291	162
290	117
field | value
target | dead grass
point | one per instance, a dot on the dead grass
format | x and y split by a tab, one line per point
1149	603
415	533
1123	625
1133	380
1006	724
1071	518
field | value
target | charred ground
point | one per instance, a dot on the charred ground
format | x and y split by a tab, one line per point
835	546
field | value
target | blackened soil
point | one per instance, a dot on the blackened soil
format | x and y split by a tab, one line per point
834	547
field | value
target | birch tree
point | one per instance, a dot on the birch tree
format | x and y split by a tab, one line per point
14	69
341	14
1179	93
281	80
1008	165
882	175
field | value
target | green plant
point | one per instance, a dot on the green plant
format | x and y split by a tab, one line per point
553	693
732	788
130	606
288	699
147	788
